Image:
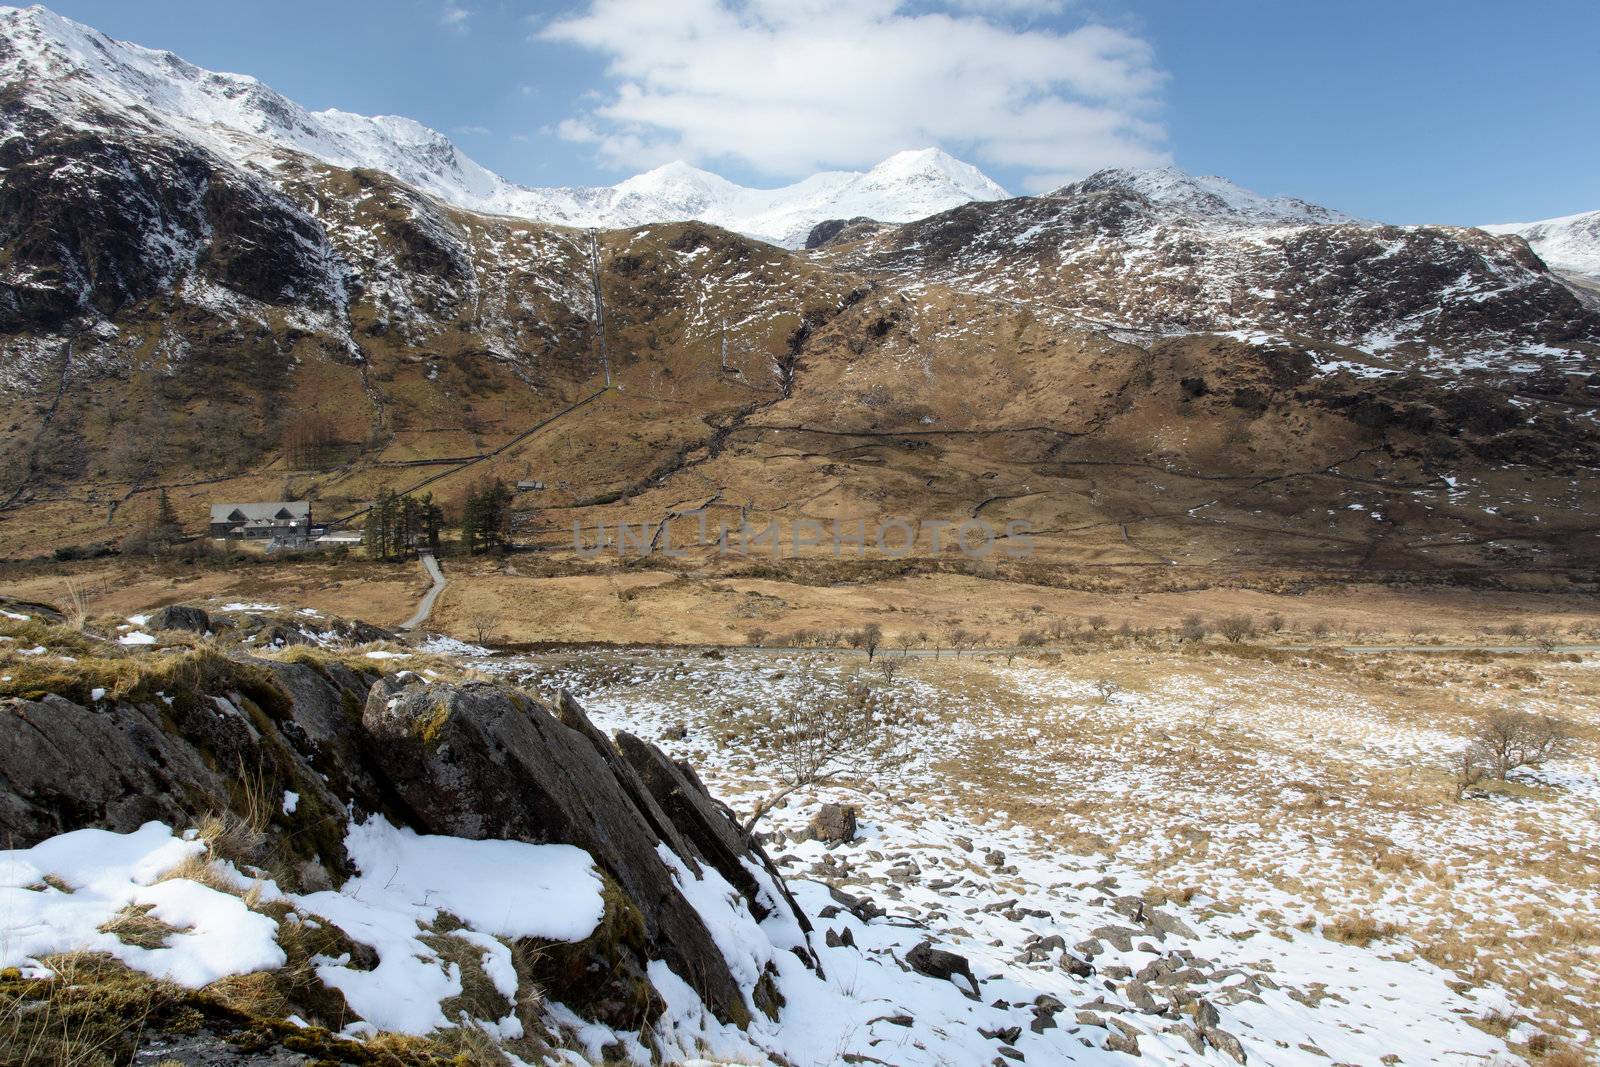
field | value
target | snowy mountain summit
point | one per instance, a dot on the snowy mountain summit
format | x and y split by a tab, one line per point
94	80
1209	201
1570	243
907	186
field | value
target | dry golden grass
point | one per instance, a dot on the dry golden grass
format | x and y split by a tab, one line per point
134	925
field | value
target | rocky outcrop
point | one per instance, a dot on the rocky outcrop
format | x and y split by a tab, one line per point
1113	255
94	223
181	617
481	761
843	231
200	733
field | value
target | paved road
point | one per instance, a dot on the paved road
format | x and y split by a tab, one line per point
424	609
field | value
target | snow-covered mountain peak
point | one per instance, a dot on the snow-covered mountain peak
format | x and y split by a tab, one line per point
1208	200
81	73
923	165
680	183
1570	243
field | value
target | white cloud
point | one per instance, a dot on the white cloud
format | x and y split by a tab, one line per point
1009	7
474	131
454	16
788	86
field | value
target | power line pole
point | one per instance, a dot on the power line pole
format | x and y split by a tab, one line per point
599	304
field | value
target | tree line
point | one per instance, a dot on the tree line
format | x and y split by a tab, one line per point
397	524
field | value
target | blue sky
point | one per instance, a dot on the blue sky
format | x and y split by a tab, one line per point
1408	111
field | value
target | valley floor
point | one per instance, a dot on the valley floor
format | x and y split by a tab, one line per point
524	598
1295	815
1258	846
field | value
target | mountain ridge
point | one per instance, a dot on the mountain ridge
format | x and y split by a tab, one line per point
247	122
1569	243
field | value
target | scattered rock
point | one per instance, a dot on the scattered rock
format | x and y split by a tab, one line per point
1225	1043
1120	1042
834	822
1076	965
938	963
1118	937
1140	997
1007	1035
180	617
1190	1035
1131	908
861	907
1169	924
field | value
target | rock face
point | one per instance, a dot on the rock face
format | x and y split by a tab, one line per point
1112	253
476	761
480	761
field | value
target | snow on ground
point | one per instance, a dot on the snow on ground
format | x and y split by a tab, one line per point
500	889
1277	811
1126	847
63	895
56	897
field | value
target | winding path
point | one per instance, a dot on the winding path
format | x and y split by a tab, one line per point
425	608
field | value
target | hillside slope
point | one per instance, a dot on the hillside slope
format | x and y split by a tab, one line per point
1570	243
1153	370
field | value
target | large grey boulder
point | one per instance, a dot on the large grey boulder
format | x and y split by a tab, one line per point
486	761
181	617
177	754
834	823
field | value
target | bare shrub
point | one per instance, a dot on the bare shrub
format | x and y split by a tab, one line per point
1469	771
1193	628
484	622
1508	740
755	637
823	735
871	637
1235	628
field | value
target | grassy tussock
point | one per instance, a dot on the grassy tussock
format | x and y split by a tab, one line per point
140	677
355	659
90	1011
134	925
